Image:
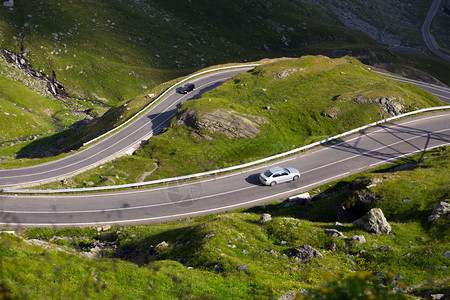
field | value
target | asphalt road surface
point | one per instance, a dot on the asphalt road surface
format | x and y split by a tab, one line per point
429	40
365	150
148	124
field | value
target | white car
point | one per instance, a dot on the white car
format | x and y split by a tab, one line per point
277	175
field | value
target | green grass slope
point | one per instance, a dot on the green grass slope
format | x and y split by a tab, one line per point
202	255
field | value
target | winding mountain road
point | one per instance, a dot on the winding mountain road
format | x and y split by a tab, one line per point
362	151
365	150
427	37
147	124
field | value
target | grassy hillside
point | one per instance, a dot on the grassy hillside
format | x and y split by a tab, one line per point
202	255
301	100
96	46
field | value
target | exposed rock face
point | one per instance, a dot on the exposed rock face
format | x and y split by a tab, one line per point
373	222
285	73
304	253
392	105
442	208
264	218
227	122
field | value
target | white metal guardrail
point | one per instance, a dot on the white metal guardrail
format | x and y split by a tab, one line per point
214	172
163	94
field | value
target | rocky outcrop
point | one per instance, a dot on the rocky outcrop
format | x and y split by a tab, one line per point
285	73
392	105
442	208
304	253
373	222
227	122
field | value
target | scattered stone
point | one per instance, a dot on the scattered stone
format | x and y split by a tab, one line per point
264	218
406	200
437	296
244	251
361	252
334	233
374	245
210	235
271	252
289	295
360	239
446	254
385	249
161	246
332	247
243	268
337	224
442	208
216	268
106	227
283	243
304	253
9	3
373	222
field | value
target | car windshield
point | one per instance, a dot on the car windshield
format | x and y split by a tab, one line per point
267	173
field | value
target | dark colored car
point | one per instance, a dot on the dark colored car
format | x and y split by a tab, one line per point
188	87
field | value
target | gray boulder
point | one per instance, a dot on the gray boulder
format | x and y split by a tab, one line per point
334	232
264	218
304	253
442	208
243	268
360	239
373	222
161	246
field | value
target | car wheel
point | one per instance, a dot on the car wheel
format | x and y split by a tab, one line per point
296	177
273	183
